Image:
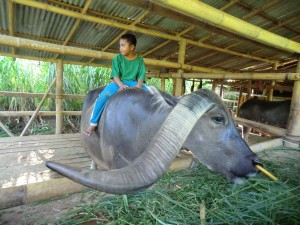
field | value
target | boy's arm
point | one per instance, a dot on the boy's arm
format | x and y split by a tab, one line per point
119	83
140	83
142	74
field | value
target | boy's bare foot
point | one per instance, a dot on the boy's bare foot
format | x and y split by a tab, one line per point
90	130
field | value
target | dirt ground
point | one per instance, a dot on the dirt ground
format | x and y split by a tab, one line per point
47	212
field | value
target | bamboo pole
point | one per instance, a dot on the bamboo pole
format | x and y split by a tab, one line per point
6	129
67	50
38	108
223	20
58	100
221	91
29	193
163	84
271	90
40	113
214	85
276	87
293	129
53	60
227	76
276	131
38	95
249	89
240	99
179	82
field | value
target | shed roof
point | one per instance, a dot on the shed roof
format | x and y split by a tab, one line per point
97	25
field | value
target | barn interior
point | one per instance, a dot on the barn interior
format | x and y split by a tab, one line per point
251	46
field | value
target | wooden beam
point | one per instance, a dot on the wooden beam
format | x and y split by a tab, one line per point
54	48
226	76
247	85
108	22
55	60
293	129
276	131
40	113
215	17
37	95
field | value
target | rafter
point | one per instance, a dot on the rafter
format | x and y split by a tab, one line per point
76	24
128	27
268	17
250	14
167	42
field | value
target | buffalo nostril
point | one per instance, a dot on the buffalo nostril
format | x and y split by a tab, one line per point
255	162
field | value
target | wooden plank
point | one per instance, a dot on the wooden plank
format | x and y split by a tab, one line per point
22	159
23	147
40	137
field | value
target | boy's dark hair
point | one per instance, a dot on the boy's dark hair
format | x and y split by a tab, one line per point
130	38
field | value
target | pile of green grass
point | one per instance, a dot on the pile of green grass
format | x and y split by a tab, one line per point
201	197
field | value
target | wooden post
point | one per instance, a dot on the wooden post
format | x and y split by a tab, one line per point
214	85
59	100
240	101
221	91
163	80
163	84
270	92
181	56
249	90
293	128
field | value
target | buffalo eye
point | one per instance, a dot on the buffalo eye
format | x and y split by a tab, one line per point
219	120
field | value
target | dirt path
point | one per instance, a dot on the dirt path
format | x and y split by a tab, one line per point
46	212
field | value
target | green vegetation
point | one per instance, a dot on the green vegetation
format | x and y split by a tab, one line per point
201	197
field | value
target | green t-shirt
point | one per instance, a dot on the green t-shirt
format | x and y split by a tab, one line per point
128	70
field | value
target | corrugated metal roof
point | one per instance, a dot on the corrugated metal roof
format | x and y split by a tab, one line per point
280	17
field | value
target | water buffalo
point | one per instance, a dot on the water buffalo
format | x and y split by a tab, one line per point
275	113
140	134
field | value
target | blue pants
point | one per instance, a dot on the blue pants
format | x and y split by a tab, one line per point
101	101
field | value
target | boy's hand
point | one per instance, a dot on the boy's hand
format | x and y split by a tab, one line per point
122	87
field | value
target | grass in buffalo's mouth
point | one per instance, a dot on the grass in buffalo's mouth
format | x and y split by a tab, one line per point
202	197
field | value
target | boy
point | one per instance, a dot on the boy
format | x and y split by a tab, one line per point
128	70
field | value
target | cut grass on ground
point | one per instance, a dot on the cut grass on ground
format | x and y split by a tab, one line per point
179	197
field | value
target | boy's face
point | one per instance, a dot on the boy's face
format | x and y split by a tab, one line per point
125	47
